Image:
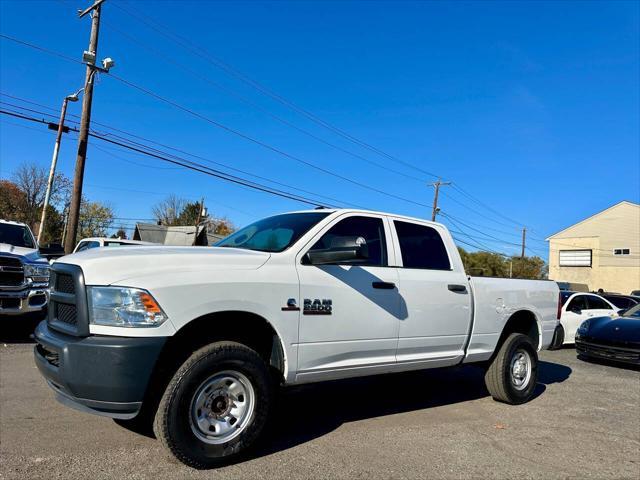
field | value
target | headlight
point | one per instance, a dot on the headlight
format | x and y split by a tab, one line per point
36	270
583	329
123	307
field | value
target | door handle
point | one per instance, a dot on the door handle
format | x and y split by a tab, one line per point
457	288
384	285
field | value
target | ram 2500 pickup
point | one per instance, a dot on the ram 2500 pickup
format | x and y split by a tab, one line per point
195	339
24	272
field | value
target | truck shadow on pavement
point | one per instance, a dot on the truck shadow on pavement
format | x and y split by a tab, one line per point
18	328
310	411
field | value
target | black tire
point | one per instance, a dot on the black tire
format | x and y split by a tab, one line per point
498	377
173	425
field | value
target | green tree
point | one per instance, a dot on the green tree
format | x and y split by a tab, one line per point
95	219
189	214
54	227
120	233
534	268
12	201
485	264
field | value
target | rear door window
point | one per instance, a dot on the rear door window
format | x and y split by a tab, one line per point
597	303
577	303
421	247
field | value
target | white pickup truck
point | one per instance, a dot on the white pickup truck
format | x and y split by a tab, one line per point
197	338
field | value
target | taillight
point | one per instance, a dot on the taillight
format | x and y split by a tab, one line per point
559	305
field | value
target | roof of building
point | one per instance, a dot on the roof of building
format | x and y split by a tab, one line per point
624	202
174	235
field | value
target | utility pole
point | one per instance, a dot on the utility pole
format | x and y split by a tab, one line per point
524	238
85	121
198	218
66	221
435	210
54	161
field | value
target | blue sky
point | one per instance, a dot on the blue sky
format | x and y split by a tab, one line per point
531	107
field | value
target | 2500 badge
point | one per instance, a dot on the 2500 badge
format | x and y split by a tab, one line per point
317	307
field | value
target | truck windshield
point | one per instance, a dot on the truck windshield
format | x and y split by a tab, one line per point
16	235
273	234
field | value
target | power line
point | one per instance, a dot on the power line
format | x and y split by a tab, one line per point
236	132
481	203
237	170
256	106
274	148
452	218
42	49
475	211
202	53
259	142
146	192
131	143
190	165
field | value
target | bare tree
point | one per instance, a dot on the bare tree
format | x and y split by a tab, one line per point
32	179
168	211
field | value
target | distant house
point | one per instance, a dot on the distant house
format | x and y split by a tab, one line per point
602	251
175	235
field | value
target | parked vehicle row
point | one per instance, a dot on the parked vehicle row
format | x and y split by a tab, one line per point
576	307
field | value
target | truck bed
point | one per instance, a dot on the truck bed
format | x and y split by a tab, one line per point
495	300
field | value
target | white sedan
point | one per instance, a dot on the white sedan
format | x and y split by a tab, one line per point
578	307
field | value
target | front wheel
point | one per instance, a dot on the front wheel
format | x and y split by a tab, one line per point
513	373
216	405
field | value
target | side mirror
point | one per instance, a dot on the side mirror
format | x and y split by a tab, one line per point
577	311
342	249
621	311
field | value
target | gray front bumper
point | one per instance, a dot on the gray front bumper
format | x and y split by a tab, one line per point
97	374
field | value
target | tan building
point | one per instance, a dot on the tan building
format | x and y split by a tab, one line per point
602	251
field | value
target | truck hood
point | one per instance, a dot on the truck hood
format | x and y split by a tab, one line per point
31	254
113	265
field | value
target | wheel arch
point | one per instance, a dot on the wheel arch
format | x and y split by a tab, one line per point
525	322
244	327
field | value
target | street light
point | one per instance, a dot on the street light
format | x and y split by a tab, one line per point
54	160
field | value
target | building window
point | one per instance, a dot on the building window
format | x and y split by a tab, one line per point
621	251
575	258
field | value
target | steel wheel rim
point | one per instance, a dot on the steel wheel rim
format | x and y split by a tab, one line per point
520	369
222	407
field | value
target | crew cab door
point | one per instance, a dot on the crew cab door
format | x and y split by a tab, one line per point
436	300
349	321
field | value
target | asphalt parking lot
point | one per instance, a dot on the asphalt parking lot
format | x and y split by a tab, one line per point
583	423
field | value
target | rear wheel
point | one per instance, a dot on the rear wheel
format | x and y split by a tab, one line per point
513	373
216	406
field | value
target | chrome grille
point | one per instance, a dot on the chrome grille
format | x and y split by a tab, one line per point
11	272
